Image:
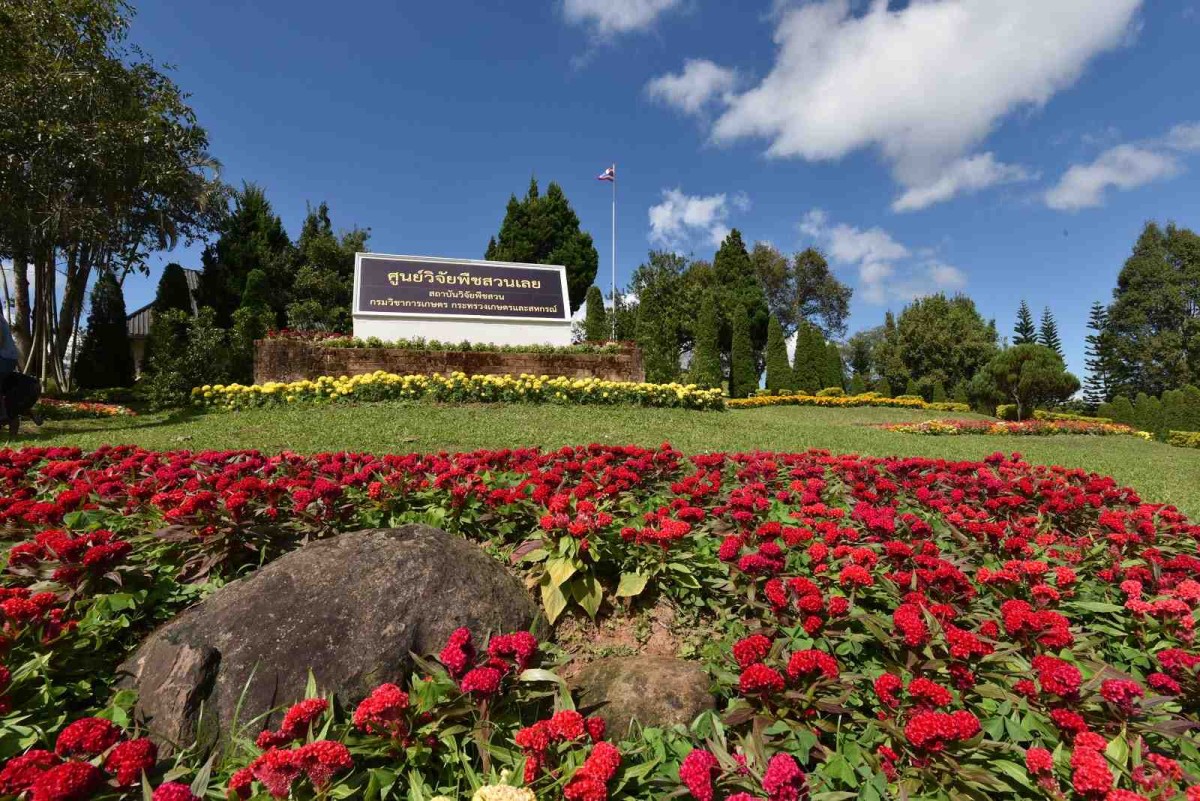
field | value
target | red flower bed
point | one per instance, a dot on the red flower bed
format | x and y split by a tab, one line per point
974	628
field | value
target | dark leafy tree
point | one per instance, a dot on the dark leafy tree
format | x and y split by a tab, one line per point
173	291
1029	376
884	388
324	264
858	384
861	351
1181	409
779	368
939	339
1048	333
1025	332
743	365
1121	411
913	388
596	327
252	237
801	288
706	352
1097	388
105	358
938	393
739	292
960	394
1148	414
257	292
545	230
657	333
1154	319
810	359
835	371
665	313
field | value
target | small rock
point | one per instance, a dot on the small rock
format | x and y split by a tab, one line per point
653	690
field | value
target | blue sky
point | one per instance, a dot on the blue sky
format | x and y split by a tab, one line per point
1006	149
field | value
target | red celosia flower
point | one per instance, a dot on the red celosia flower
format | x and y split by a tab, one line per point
886	688
1056	676
382	712
697	772
20	772
760	680
240	783
321	759
276	770
87	738
1121	693
750	650
458	654
1090	772
807	663
174	791
520	647
783	780
128	760
70	781
928	693
1039	761
483	682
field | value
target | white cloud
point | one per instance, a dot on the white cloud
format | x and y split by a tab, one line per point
1185	137
924	84
690	91
611	17
887	269
965	176
1121	167
680	218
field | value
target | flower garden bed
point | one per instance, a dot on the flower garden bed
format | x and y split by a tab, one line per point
330	339
844	402
460	388
1026	428
880	627
54	409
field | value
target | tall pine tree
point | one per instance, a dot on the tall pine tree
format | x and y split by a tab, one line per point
835	370
743	366
811	360
545	230
1048	334
1025	332
779	371
706	352
1096	390
105	358
173	292
595	324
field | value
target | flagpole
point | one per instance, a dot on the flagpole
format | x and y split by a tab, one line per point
614	251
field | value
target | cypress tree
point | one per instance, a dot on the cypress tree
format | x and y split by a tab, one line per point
1096	389
1121	411
884	388
1148	413
779	371
257	292
960	393
743	370
706	354
1024	333
858	384
657	339
173	292
808	368
105	358
595	325
913	388
939	392
834	374
1048	335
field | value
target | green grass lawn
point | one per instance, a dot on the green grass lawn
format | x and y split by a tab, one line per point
1158	472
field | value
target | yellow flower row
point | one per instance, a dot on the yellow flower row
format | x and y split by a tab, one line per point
459	388
844	401
1025	428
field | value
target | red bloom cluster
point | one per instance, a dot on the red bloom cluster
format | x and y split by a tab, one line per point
278	769
567	726
506	654
67	773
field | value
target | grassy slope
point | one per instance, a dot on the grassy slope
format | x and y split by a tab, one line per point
1158	472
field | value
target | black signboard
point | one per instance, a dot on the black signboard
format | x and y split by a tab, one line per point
426	286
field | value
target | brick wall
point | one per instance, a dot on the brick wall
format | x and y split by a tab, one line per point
289	360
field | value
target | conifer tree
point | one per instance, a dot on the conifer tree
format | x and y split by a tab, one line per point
939	392
809	362
1096	388
743	370
706	354
913	388
173	292
834	373
960	393
858	384
595	325
884	388
1025	332
779	370
105	358
1048	335
656	336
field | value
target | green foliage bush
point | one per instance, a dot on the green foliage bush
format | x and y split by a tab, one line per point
832	392
192	351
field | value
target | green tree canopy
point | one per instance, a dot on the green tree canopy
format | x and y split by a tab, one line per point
596	327
801	288
706	353
779	368
173	291
738	291
1048	333
252	237
324	265
105	359
1025	332
1154	320
1029	376
545	230
941	339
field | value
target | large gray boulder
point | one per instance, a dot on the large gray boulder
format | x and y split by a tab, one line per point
653	690
351	609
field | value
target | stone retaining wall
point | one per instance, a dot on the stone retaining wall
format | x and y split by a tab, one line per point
290	360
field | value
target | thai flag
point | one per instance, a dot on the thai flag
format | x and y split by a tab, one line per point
608	175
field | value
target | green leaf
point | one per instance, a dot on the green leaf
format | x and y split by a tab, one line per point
560	570
588	593
553	599
631	584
